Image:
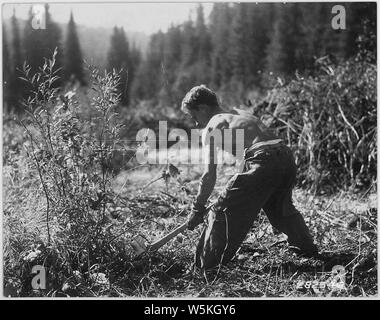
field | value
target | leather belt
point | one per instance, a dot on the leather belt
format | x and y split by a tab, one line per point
263	145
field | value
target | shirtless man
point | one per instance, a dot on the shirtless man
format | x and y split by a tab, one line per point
266	182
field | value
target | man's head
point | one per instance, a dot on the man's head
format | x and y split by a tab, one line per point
201	104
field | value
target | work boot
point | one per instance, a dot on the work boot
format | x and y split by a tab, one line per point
299	237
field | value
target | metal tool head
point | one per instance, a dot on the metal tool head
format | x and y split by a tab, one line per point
138	245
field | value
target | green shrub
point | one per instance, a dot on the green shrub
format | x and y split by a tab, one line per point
330	121
62	221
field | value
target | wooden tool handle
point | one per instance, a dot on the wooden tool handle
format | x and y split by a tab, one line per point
159	243
168	237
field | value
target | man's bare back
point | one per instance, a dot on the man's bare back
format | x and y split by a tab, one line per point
254	130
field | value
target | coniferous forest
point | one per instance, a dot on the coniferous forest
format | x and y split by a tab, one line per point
82	215
236	50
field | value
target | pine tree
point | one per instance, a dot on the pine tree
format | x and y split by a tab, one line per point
6	71
220	21
52	42
282	57
172	51
298	36
187	74
15	83
39	44
149	79
260	23
135	61
239	50
135	58
189	44
315	24
203	49
73	67
171	63
119	59
33	44
17	51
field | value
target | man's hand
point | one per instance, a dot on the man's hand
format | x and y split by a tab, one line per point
196	216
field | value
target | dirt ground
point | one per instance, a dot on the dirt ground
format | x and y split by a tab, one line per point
344	227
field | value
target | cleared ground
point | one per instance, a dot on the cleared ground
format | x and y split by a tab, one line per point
344	227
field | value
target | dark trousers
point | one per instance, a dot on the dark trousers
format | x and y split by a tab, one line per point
266	183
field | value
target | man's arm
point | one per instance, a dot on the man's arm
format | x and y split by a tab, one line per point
206	186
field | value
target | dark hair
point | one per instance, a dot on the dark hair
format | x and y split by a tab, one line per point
199	95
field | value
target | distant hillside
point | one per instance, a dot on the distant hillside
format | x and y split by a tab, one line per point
94	41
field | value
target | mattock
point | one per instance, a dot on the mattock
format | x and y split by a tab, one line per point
138	242
139	246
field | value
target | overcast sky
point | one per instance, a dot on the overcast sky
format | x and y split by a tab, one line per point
146	17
